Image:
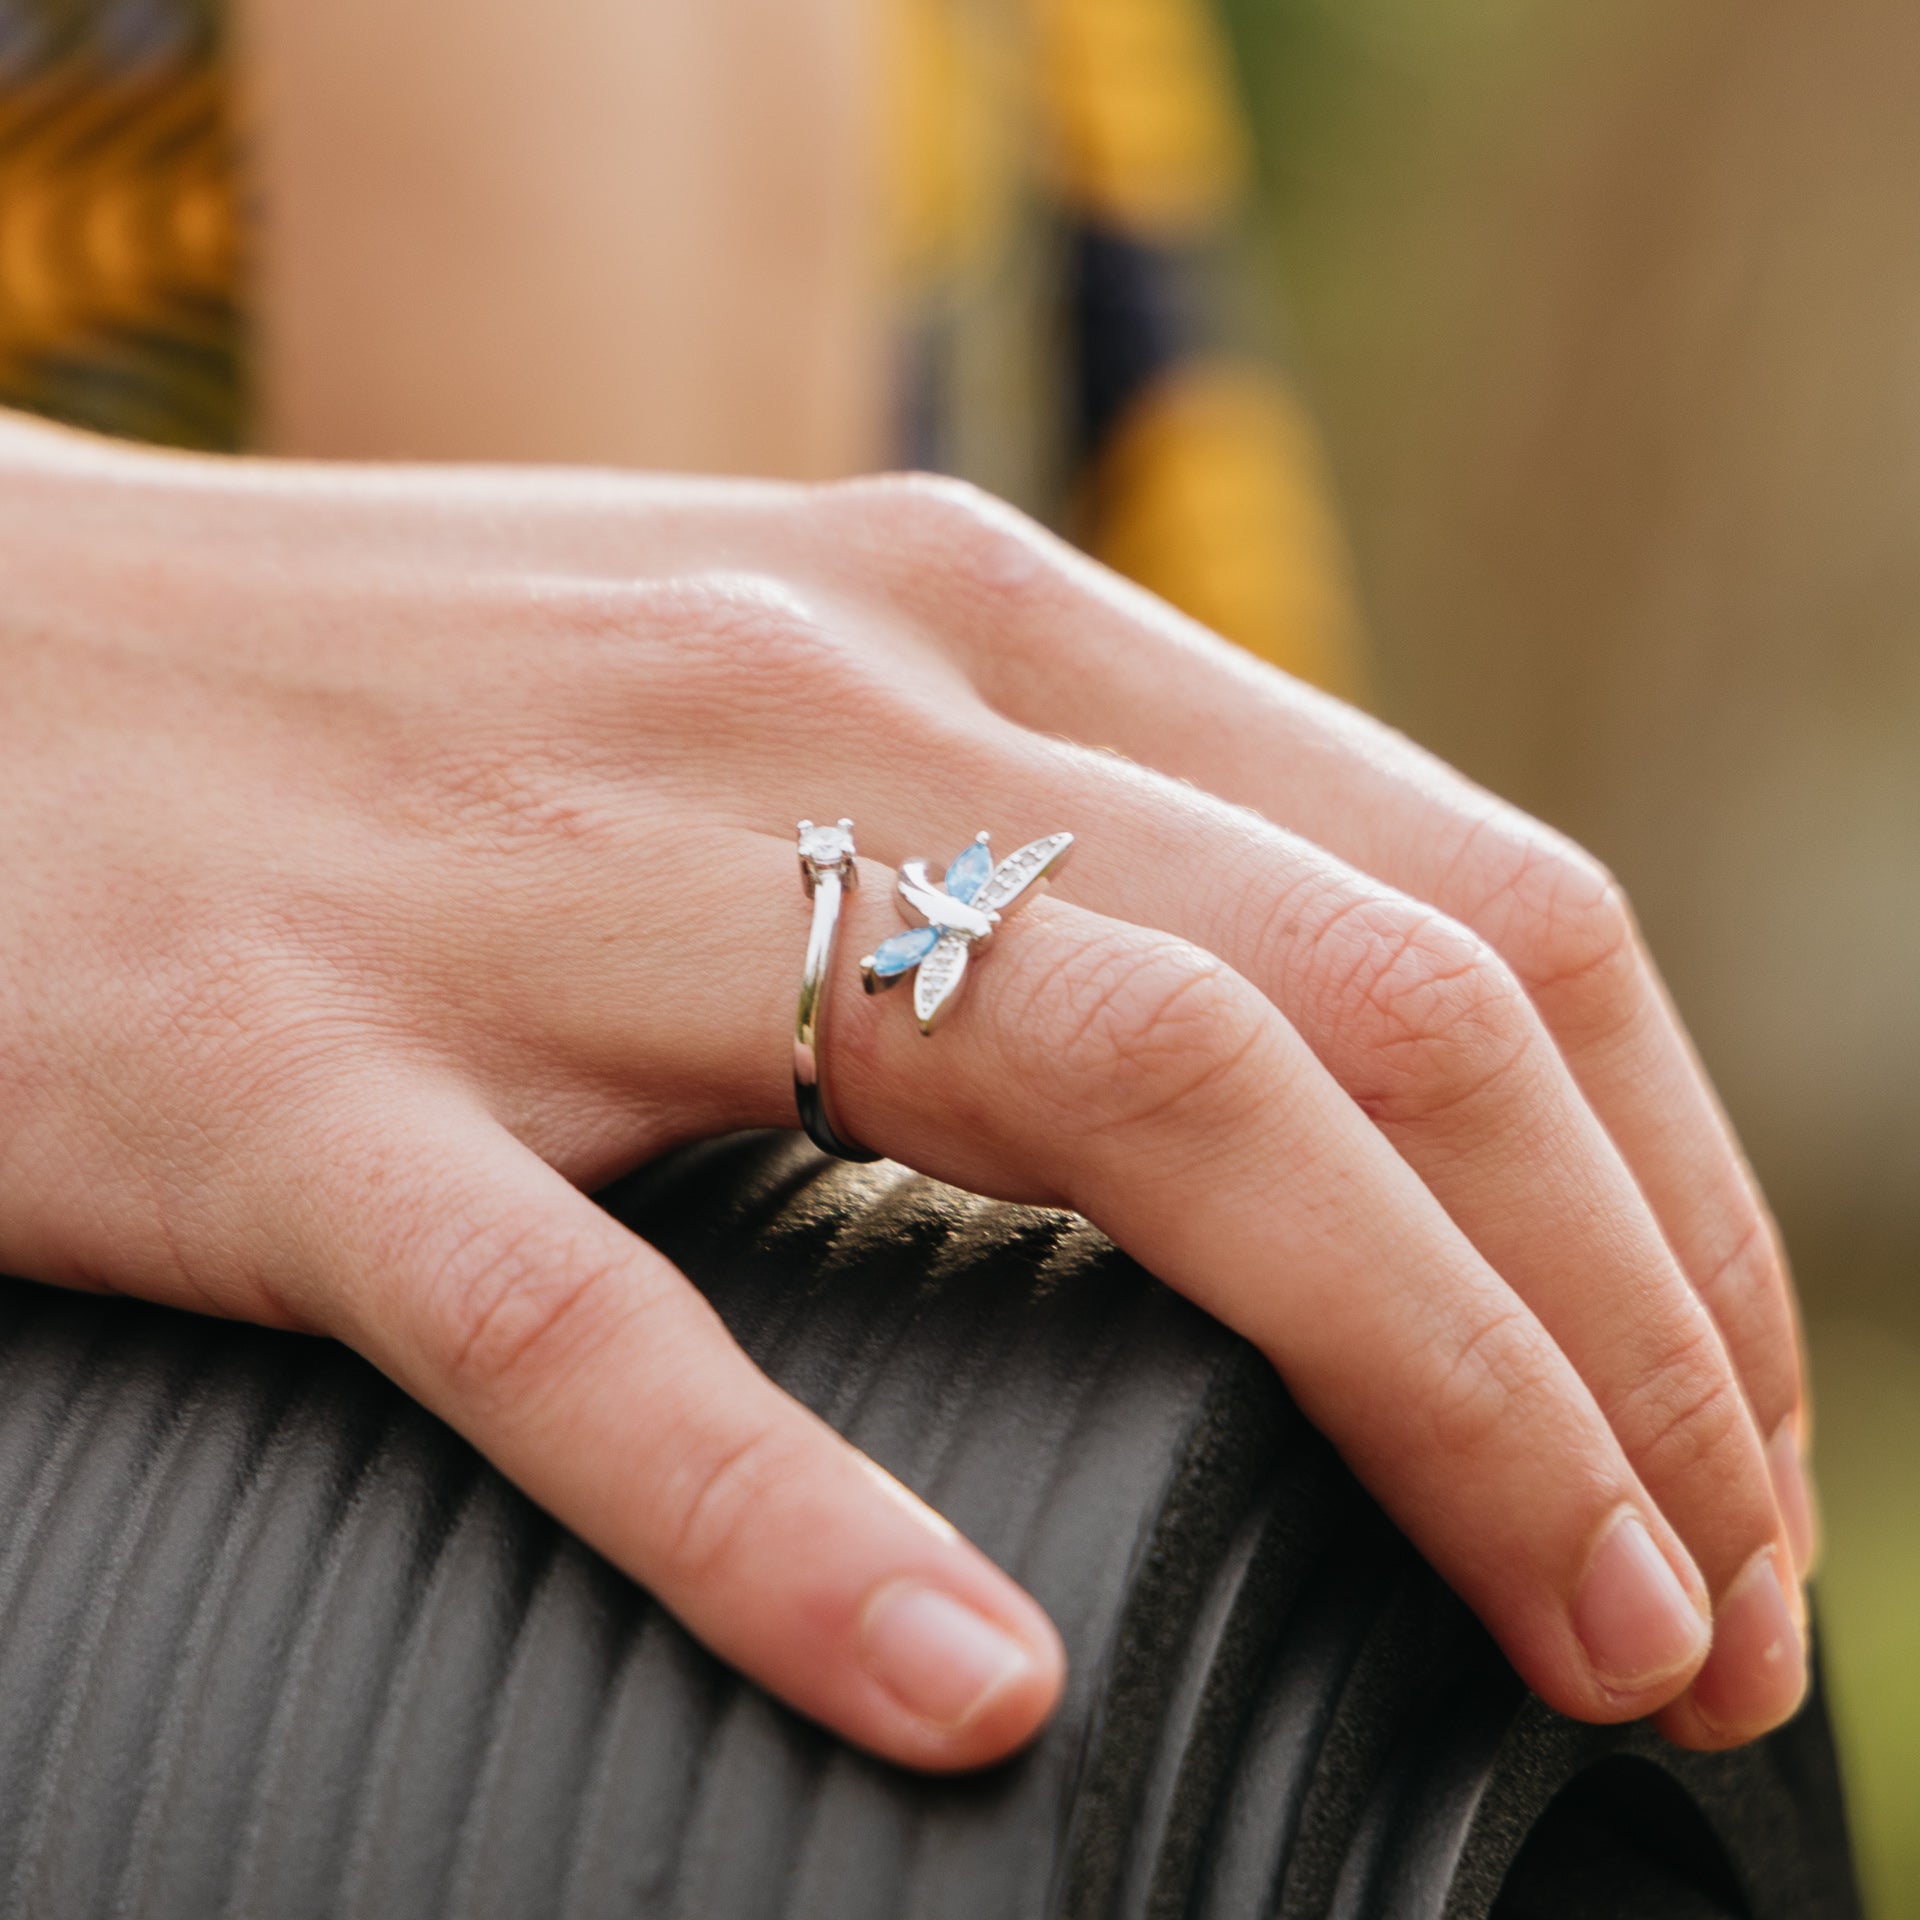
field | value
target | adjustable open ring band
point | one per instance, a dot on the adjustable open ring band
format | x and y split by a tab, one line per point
827	869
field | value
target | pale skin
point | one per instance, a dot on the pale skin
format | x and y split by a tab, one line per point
373	834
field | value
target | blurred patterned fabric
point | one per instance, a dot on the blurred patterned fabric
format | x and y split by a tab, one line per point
119	252
1072	175
1069	174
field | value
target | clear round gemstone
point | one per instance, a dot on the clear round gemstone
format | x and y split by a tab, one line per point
826	846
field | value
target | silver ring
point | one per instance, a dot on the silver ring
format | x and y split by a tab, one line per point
827	869
959	914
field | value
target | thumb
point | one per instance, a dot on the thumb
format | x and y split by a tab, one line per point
591	1372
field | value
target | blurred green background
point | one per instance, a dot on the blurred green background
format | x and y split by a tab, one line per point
1611	312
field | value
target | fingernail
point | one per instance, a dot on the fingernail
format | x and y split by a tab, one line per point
941	1660
1633	1616
1757	1672
1794	1492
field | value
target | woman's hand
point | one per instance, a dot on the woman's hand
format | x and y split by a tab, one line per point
393	854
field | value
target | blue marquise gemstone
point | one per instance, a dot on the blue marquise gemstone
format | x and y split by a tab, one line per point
969	873
904	950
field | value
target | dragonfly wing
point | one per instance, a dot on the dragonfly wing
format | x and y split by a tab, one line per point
894	958
970	872
939	979
1019	872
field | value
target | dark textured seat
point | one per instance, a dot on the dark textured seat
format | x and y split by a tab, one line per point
275	1643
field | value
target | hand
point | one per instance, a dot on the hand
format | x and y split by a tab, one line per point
393	854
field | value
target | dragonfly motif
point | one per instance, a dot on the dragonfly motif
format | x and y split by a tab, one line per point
960	913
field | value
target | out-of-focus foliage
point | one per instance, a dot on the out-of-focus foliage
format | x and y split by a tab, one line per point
1612	313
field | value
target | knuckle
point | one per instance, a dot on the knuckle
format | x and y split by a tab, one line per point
1480	1400
1751	1270
511	1309
704	1508
1750	1297
703	659
1569	930
959	528
1426	1016
757	662
678	634
1144	1031
1685	1414
721	623
930	507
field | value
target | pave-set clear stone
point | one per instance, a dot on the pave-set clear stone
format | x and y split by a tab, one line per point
1013	873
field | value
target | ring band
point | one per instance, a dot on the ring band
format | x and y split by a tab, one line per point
827	870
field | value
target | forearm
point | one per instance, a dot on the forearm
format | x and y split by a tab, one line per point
639	236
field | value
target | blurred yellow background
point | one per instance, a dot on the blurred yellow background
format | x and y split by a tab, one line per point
1611	312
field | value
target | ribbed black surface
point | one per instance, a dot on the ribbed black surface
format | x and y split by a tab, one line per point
275	1643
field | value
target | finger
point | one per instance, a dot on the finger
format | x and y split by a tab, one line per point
1427	1030
593	1374
1060	644
1126	1074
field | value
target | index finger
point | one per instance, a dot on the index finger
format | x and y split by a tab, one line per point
590	1371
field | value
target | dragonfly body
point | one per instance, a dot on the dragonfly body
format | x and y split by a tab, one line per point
940	908
958	914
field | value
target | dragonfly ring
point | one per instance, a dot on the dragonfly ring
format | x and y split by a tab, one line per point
959	915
